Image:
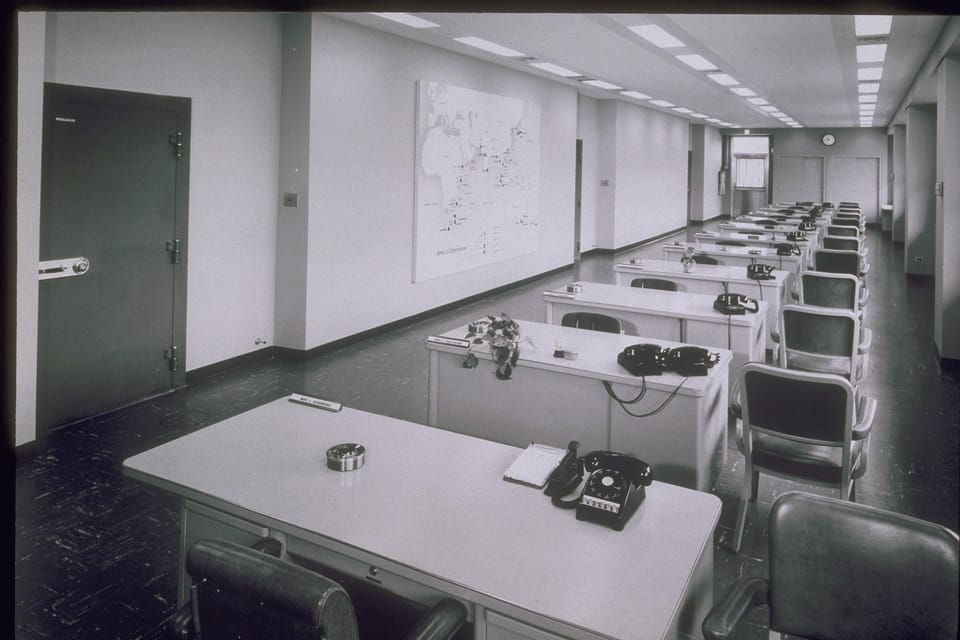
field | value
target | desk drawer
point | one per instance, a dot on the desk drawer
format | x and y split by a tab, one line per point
500	627
317	558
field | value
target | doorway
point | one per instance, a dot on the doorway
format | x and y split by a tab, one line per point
799	179
113	200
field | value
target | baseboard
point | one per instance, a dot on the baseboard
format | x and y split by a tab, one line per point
288	353
638	244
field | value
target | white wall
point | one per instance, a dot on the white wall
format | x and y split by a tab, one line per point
651	173
921	212
899	181
947	264
229	65
707	146
362	177
30	51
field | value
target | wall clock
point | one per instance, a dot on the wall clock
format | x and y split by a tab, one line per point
828	139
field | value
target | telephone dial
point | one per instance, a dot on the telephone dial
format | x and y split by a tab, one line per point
796	236
735	304
652	360
614	488
760	271
787	249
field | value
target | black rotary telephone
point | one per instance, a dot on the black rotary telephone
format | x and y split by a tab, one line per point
735	304
614	488
796	236
787	249
758	271
642	359
806	225
690	361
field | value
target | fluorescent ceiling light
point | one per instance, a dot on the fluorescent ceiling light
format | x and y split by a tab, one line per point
492	47
636	95
682	110
661	103
869	73
871	52
868	87
407	19
743	91
757	100
797	126
872	25
867	97
868	107
722	79
717	120
655	35
602	84
768	108
699	115
696	61
778	114
867	112
555	69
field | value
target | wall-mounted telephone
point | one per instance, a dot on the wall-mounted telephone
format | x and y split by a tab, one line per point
642	359
735	304
689	361
758	271
796	236
787	249
614	488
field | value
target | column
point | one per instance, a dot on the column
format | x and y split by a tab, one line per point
920	218
947	261
899	181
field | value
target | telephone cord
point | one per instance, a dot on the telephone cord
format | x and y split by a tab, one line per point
612	394
663	405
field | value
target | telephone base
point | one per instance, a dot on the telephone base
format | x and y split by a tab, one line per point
617	520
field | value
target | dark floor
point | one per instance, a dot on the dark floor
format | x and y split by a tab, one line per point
95	553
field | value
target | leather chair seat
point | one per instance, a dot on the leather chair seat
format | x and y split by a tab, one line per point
816	463
838	365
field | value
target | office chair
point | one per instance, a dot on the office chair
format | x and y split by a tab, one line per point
592	322
699	258
839	230
845	571
245	593
849	205
824	340
800	425
846	243
841	261
834	290
731	243
654	283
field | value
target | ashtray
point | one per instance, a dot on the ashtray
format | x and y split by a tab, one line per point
345	457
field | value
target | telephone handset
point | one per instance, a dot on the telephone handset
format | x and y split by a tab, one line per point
565	478
690	361
642	359
787	249
735	304
614	488
757	271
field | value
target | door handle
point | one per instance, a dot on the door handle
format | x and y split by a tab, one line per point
63	268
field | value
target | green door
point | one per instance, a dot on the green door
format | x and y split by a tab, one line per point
113	199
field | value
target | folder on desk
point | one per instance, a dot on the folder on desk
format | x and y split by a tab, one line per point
534	465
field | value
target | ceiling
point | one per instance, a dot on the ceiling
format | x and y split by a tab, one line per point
803	64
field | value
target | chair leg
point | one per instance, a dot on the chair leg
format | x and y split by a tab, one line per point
754	486
853	491
749	477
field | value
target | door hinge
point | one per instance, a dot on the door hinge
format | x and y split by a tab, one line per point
170	355
176	140
174	249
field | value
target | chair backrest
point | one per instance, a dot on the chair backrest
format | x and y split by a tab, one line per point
699	258
845	203
799	406
592	321
847	243
837	261
654	283
819	339
843	230
836	290
839	569
243	593
731	243
846	221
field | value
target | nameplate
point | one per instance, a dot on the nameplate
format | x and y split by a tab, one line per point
450	342
310	401
559	294
752	237
755	252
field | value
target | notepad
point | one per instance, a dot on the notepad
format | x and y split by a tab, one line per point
534	465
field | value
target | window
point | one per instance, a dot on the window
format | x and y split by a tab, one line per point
750	172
